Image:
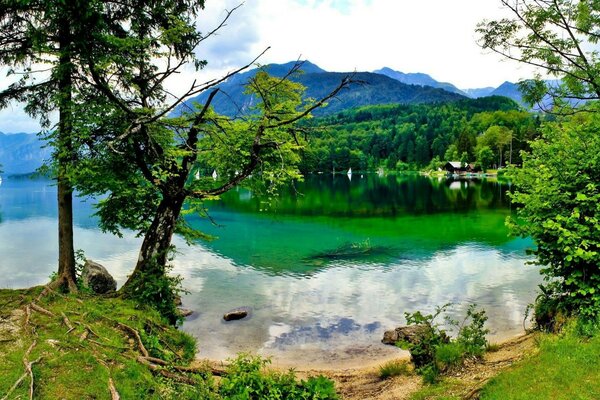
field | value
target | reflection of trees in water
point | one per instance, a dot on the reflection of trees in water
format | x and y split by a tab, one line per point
374	196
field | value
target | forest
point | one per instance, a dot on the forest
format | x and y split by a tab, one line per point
490	131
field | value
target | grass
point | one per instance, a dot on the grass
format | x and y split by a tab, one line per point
89	342
566	367
394	368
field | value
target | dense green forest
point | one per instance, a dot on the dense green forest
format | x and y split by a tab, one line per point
490	131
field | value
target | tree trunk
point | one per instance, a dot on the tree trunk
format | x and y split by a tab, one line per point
64	152
155	248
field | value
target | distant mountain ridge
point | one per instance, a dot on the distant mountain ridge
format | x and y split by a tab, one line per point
22	153
369	89
420	79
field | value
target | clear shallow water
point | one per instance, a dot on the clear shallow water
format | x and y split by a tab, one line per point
325	271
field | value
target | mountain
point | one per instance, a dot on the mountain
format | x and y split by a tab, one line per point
21	153
418	79
479	92
368	89
510	90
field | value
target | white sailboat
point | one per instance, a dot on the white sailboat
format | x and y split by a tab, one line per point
197	175
214	174
349	171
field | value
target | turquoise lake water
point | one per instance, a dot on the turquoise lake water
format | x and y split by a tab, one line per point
325	269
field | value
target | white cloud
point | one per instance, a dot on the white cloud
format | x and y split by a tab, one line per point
432	36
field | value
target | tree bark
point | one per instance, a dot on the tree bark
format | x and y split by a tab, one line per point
155	248
64	149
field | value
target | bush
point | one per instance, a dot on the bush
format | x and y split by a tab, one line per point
247	379
435	352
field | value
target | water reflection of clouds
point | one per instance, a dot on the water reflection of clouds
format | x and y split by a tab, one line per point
352	306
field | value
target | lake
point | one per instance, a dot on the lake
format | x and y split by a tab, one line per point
325	268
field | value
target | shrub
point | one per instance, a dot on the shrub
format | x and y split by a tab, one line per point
435	352
472	335
557	195
247	379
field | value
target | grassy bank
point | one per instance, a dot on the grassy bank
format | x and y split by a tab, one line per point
65	347
562	366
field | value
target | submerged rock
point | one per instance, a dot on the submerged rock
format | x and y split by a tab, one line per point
185	312
97	278
236	313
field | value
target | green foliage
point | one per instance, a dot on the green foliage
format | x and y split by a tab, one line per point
471	333
434	352
485	157
246	379
422	352
393	368
558	194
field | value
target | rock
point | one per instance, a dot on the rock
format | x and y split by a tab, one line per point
411	334
236	313
97	278
185	312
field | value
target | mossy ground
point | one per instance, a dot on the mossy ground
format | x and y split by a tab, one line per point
78	363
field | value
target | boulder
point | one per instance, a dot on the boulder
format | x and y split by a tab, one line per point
236	313
411	334
97	278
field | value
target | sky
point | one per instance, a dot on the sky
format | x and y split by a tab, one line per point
436	37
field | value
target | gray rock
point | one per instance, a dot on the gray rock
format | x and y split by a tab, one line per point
411	334
97	278
236	313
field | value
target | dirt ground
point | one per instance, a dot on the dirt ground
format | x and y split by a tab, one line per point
364	383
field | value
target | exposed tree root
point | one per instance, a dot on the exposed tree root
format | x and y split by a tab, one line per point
114	395
65	282
28	372
167	374
137	336
41	310
67	322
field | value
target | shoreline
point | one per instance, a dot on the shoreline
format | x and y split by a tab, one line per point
359	359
